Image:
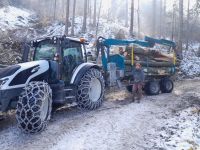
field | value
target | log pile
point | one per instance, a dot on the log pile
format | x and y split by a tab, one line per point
152	61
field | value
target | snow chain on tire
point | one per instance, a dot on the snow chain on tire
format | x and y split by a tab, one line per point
33	102
83	98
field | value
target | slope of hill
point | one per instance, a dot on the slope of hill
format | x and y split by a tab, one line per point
13	18
18	25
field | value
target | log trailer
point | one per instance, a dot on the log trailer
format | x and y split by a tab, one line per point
158	67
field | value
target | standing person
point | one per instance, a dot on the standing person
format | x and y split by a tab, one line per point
122	52
138	76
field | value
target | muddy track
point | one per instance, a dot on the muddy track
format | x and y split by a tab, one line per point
119	124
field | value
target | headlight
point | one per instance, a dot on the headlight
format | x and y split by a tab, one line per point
3	81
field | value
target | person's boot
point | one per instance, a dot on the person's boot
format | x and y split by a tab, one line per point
133	98
139	96
2	117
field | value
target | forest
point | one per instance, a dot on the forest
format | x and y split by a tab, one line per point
99	74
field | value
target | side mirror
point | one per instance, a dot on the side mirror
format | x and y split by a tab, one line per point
18	60
25	53
89	54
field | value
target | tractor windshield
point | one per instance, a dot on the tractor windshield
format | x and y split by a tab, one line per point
45	52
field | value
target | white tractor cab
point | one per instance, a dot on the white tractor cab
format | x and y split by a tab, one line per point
54	72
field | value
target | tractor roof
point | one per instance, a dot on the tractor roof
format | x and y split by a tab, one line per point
79	40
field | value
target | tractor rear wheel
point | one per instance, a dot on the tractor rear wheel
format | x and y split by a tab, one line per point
90	91
34	107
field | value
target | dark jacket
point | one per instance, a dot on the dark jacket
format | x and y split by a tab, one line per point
138	75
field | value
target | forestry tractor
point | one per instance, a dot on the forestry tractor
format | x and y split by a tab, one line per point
54	71
158	66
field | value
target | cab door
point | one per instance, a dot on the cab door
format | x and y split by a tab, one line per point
72	58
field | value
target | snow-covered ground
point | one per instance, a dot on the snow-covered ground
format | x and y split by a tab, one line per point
13	18
105	29
163	122
183	130
190	64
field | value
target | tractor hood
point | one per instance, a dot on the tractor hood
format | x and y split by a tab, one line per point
19	75
8	71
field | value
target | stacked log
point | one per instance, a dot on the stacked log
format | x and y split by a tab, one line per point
149	63
152	61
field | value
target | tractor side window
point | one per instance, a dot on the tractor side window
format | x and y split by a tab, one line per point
45	52
72	57
74	53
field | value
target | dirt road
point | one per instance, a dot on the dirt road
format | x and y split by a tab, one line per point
163	122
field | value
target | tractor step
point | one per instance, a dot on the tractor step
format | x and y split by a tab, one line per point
68	90
63	94
70	94
70	99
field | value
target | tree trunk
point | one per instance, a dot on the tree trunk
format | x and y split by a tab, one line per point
126	20
99	14
73	17
161	19
132	17
154	19
180	29
63	9
164	18
85	16
173	21
54	14
138	18
67	18
95	14
151	64
188	17
114	8
90	11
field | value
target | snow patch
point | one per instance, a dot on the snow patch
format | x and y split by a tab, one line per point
13	18
182	131
190	64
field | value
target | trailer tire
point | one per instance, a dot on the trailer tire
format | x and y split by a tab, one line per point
90	92
34	107
152	88
166	85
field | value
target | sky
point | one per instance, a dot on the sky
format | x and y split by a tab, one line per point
107	3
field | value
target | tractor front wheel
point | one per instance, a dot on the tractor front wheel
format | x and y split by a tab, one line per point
90	91
34	107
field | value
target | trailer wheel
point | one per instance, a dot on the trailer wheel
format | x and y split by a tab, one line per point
90	91
152	88
166	85
34	107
